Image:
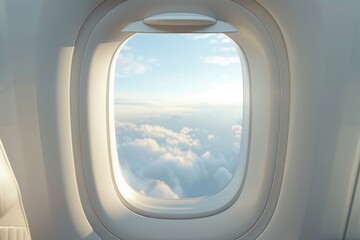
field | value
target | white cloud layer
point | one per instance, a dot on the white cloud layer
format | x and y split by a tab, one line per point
173	164
171	137
157	188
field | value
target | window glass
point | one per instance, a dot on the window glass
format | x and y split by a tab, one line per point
178	108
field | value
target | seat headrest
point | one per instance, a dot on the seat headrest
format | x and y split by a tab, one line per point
8	188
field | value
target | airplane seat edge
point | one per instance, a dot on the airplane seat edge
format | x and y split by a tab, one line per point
13	222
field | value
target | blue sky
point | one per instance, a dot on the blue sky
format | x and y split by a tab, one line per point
178	111
172	66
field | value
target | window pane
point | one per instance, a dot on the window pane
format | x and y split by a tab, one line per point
178	102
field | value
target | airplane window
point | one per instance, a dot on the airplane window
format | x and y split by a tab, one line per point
178	109
179	127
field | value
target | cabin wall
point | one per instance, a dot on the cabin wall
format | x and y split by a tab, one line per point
323	153
323	42
37	38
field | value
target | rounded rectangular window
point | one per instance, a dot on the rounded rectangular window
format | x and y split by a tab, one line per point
179	131
178	113
187	127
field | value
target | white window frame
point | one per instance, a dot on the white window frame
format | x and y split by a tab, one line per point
187	207
249	211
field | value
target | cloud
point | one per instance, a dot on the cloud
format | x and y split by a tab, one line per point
211	137
171	137
128	64
183	158
237	132
145	143
125	125
185	130
220	60
139	152
172	164
157	188
206	155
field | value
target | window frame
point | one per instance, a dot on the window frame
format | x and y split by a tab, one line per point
184	208
110	216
